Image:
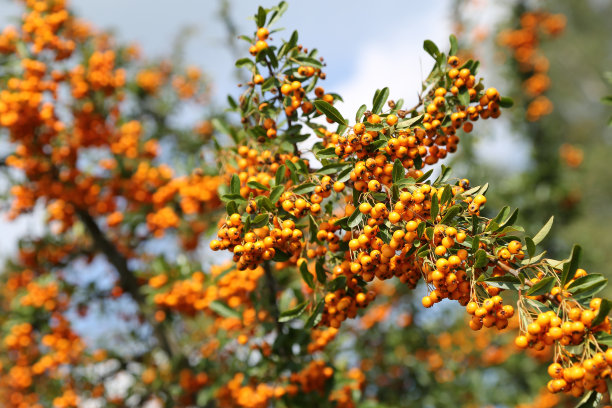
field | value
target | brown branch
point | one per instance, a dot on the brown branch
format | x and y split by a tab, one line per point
272	291
515	273
127	279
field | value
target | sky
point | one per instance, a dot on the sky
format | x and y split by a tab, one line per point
365	45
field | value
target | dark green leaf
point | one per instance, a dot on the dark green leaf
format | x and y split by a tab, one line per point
231	207
451	213
261	17
453	45
326	153
304	188
398	170
281	256
506	102
320	270
294	313
315	317
480	259
235	184
276	193
338	283
424	177
330	112
223	310
431	48
539	237
542	287
463	96
259	221
590	400
379	100
504	282
360	112
604	310
409	122
447	194
257	186
306	275
245	62
569	269
434	207
530	247
587	283
355	219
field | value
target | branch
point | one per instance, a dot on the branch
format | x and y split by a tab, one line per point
127	279
515	273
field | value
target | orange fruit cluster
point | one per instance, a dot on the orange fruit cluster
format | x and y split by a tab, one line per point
524	43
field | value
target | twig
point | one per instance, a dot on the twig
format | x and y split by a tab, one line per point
127	279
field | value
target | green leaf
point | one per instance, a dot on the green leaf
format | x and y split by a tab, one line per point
304	188
333	168
450	213
542	287
590	400
506	102
569	269
480	259
587	283
326	153
424	177
257	186
409	122
604	310
315	317
261	17
223	310
539	237
231	207
280	10
504	282
531	247
338	283
320	270
280	256
431	48
330	112
355	219
604	338
235	184
294	313
453	45
360	112
260	220
511	219
463	96
434	207
398	170
245	62
447	194
379	100
276	193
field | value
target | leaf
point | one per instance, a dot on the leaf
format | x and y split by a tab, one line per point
604	310
409	122
530	247
604	338
587	283
534	304
223	310
510	220
453	45
451	213
315	317
260	220
447	194
326	153
424	177
434	207
480	259
276	193
261	17
244	62
590	400
320	270
398	170
330	112
444	175
294	313
539	237
235	184
338	283
333	168
504	282
379	100
355	219
304	188
542	287
569	269
231	207
360	112
280	256
506	102
257	186
463	96
431	48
